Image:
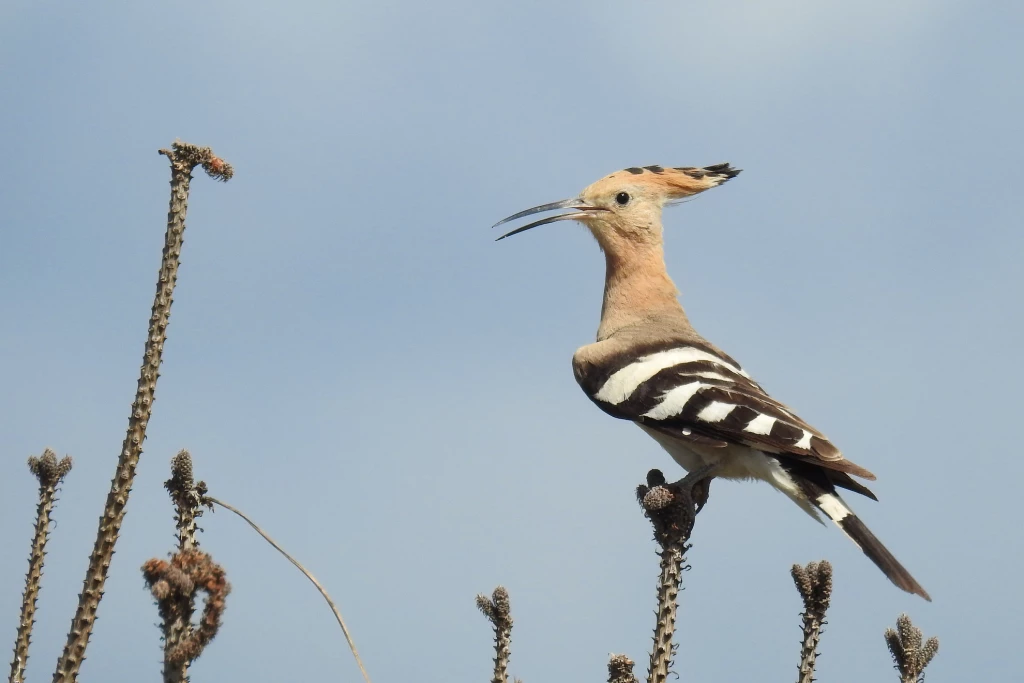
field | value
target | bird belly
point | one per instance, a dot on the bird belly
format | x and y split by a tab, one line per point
735	461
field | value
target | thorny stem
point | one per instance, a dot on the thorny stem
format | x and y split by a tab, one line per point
815	585
50	473
672	512
498	611
184	158
187	495
669	581
308	575
909	654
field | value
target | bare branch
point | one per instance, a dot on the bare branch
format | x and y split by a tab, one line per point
50	472
909	654
323	592
815	585
498	611
184	158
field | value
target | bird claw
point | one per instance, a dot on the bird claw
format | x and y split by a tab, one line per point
696	487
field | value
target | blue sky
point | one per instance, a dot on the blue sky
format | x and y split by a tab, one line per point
356	364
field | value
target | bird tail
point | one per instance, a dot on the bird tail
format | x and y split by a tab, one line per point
836	509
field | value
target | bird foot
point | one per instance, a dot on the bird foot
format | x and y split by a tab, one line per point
697	486
673	508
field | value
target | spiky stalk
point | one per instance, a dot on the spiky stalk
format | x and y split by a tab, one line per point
498	611
50	472
184	158
672	510
187	495
669	581
814	582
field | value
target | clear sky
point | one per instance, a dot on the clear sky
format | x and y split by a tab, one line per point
354	362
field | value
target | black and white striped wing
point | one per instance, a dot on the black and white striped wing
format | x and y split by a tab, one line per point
699	395
697	392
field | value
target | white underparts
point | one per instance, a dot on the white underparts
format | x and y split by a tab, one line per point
735	462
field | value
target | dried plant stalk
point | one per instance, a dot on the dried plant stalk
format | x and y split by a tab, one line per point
815	585
177	607
187	496
672	510
50	472
184	158
909	654
498	611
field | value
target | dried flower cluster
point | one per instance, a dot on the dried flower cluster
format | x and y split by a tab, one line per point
175	584
188	497
909	654
620	670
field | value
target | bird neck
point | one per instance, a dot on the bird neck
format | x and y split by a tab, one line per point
637	289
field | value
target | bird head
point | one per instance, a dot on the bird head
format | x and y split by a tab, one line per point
627	204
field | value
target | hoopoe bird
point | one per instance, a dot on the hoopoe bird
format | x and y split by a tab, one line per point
650	366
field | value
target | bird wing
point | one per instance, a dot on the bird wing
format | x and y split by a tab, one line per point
695	392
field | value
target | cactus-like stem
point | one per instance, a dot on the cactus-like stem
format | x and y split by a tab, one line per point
815	585
187	495
498	611
672	510
50	472
184	158
671	578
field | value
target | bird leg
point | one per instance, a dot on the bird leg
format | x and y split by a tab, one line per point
697	484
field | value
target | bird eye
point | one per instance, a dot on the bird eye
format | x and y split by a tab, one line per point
622	198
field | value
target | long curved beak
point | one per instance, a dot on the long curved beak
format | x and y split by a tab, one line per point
576	203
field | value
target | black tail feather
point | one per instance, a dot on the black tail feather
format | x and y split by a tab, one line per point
880	555
820	488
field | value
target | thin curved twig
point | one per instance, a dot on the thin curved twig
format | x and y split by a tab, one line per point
323	592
